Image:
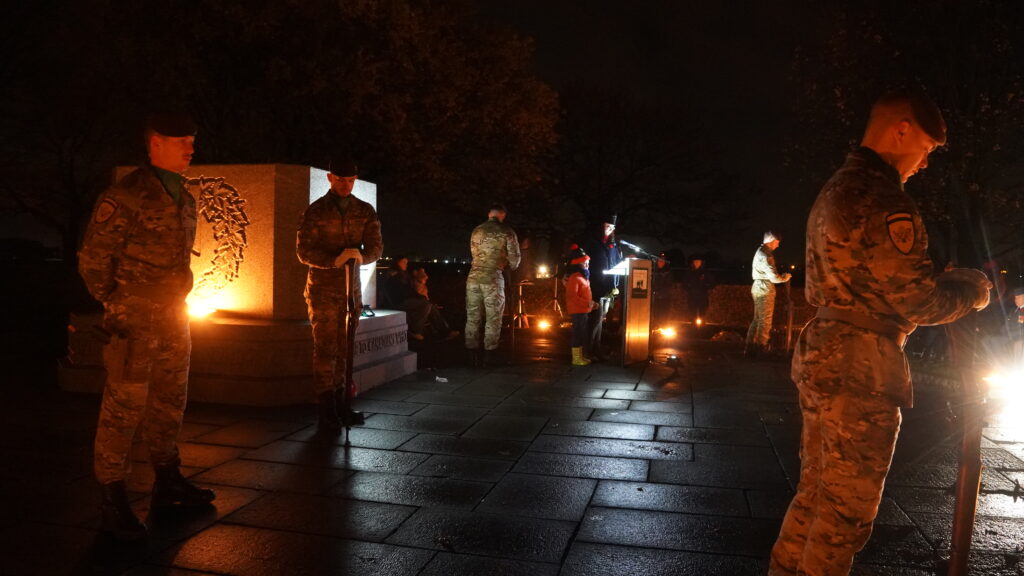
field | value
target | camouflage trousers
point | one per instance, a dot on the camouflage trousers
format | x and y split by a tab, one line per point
760	329
326	310
147	384
485	303
846	447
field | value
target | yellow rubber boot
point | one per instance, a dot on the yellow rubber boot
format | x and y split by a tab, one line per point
577	357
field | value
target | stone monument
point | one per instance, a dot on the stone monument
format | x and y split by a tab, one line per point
251	340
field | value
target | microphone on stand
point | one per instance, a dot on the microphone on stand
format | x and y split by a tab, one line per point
630	245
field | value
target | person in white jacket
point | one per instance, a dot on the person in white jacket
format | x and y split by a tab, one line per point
765	277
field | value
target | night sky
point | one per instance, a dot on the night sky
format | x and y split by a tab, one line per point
723	63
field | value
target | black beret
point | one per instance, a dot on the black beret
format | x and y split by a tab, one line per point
343	166
172	124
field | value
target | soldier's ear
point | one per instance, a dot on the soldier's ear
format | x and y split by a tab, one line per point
901	129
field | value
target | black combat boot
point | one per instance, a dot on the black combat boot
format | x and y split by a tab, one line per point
327	414
172	489
117	516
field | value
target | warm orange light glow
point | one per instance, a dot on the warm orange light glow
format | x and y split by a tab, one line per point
700	321
667	332
202	305
543	271
543	325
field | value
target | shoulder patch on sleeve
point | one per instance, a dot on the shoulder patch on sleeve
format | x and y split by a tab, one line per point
105	210
901	231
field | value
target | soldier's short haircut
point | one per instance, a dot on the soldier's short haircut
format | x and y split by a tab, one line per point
498	207
915	106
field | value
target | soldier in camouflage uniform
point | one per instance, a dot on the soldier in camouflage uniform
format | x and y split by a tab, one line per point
135	261
869	274
337	230
765	277
494	247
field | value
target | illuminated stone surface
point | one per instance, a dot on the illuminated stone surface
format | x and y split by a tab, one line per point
434	486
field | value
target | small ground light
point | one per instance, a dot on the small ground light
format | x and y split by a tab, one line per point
667	331
543	325
699	321
672	360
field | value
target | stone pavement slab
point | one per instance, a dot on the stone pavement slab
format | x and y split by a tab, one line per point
532	468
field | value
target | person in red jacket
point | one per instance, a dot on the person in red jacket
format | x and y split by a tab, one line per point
578	300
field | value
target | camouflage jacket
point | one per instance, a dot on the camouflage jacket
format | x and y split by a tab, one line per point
139	241
762	269
867	252
325	231
494	246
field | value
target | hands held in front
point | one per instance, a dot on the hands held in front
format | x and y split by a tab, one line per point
346	255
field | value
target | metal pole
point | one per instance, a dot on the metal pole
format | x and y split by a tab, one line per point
962	342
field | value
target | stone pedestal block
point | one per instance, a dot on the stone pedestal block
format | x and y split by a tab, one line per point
257	346
255	362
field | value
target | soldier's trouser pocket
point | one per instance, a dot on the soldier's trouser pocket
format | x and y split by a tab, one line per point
129	359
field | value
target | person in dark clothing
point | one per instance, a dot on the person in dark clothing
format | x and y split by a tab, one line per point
698	283
396	284
604	255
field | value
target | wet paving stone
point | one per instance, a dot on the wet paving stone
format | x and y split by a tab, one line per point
234	549
500	388
713	436
326	516
445	564
422	423
670	498
582	466
659	406
311	454
534	394
456	399
205	455
897	545
507	428
613	447
274	476
771	504
508	408
250	433
650	396
723	465
586	559
718	417
600	430
990	534
566	401
375	406
412	490
890	514
360	437
943	477
551	497
638	417
463	446
460	468
716	534
527	539
922	499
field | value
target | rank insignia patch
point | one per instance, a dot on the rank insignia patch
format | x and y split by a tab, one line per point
105	210
901	231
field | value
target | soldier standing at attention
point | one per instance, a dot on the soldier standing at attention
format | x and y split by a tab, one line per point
869	275
494	247
135	260
765	277
337	230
